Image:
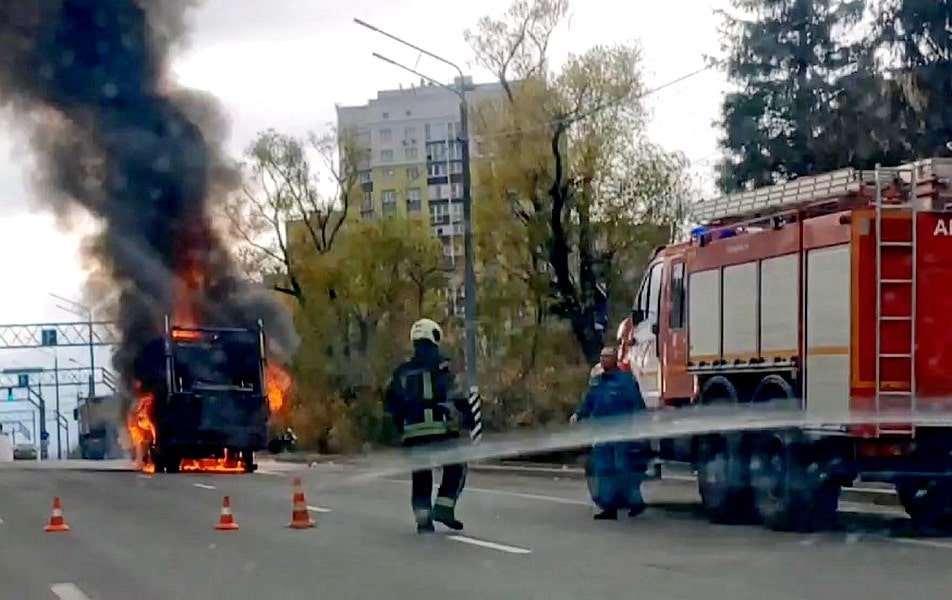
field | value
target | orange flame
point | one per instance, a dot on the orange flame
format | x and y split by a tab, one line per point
141	427
278	383
212	465
184	334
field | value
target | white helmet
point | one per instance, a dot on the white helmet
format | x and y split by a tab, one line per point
426	329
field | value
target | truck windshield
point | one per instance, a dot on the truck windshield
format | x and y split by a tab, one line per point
211	360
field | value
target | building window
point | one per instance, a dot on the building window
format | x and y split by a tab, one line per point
456	212
436	152
413	173
389	202
426	132
439	192
364	177
386	155
386	115
414	200
388	175
456	190
409	133
456	167
437	213
412	153
409	113
386	135
367	205
436	170
456	150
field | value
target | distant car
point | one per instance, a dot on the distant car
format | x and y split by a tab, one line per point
24	452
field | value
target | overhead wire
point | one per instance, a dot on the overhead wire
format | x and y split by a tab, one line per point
641	96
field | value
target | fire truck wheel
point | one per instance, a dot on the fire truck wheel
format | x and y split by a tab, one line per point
722	478
719	390
927	502
773	388
790	486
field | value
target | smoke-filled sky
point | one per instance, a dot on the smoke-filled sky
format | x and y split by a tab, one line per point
284	63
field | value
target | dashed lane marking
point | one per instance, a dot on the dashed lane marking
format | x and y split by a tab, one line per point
918	542
526	496
68	591
491	545
319	509
204	486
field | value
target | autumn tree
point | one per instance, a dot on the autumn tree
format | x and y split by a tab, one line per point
567	161
286	194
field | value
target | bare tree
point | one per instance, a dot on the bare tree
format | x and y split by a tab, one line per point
285	211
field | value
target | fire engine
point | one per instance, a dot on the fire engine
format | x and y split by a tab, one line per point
829	292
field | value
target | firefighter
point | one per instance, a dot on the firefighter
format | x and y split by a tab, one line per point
616	469
427	410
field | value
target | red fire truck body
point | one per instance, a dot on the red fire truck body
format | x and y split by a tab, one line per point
830	291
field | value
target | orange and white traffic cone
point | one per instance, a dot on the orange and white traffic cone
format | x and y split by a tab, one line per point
57	522
226	522
300	518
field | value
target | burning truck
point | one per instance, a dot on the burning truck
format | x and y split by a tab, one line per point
117	142
210	410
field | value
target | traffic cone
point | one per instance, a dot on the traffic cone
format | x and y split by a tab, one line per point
57	522
226	522
300	518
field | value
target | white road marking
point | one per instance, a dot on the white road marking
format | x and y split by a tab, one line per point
916	542
1	521
492	545
204	486
143	476
555	499
68	591
319	509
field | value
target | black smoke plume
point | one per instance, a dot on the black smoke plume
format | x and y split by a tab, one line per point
113	134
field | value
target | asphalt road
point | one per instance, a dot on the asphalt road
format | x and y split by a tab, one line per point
135	536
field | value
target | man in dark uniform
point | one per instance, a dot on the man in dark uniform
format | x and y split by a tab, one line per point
427	409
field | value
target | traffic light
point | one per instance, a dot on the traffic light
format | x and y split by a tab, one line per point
10	397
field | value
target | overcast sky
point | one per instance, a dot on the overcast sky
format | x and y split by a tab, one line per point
285	63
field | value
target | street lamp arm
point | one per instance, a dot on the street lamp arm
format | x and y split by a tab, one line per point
75	304
410	45
415	72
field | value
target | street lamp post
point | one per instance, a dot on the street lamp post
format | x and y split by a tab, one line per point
469	271
88	313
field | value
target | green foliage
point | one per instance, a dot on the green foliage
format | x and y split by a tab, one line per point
569	195
571	191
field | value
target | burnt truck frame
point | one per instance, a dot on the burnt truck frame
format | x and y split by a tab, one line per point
216	401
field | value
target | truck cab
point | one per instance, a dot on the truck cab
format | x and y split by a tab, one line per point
215	404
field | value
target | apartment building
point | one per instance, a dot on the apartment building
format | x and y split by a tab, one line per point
415	161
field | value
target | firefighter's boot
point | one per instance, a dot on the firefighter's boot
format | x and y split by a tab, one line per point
424	522
446	515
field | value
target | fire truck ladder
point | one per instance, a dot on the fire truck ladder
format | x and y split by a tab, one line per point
893	391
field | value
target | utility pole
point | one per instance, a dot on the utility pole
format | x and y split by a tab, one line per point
59	426
469	271
84	311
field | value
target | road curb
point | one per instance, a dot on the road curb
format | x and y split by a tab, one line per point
866	495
